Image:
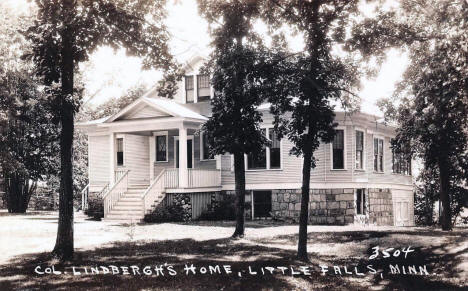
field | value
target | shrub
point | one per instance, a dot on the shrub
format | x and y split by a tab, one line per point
95	208
162	213
220	210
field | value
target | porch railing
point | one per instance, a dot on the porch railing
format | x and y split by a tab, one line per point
171	179
154	193
84	198
119	174
115	192
203	178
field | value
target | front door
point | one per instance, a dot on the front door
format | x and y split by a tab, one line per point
189	153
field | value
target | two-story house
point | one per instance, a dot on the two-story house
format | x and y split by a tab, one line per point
152	151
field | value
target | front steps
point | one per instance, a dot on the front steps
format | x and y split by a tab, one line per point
129	208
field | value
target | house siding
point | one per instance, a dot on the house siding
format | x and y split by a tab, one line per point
99	161
136	157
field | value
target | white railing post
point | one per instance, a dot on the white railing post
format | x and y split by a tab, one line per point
115	192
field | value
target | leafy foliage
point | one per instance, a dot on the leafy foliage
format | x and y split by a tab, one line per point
170	213
220	210
433	97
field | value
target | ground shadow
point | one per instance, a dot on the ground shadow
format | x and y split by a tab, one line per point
239	255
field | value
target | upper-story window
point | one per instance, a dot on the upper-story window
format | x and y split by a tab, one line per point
359	150
161	148
203	87
400	165
189	90
338	150
270	156
378	155
120	152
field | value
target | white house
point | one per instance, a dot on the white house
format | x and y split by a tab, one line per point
152	151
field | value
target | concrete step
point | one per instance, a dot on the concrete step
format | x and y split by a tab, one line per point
126	219
127	207
130	199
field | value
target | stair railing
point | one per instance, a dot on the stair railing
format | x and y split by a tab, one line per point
154	190
84	198
115	192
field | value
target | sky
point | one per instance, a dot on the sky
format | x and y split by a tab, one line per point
111	73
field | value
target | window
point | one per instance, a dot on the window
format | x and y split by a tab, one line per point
360	201
359	150
205	150
120	152
161	148
338	150
257	160
400	164
203	87
189	89
275	150
378	155
269	157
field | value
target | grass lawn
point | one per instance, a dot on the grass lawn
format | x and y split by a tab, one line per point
153	256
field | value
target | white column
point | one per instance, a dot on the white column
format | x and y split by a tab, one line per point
152	156
195	88
112	158
183	172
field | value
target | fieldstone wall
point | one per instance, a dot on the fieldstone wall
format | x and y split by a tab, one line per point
286	204
332	206
380	207
327	206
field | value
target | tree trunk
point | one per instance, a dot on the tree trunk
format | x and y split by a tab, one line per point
304	215
64	244
446	219
18	192
239	172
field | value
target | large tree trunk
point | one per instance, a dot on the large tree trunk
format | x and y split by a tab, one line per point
446	217
239	172
304	215
64	244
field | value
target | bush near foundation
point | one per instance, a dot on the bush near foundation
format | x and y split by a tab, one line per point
163	213
220	210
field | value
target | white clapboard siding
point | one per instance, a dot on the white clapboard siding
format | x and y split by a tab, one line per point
137	158
99	159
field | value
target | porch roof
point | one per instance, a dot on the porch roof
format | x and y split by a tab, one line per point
170	107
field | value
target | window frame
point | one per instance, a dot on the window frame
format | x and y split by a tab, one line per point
202	150
187	90
117	137
332	168
198	88
363	156
397	159
267	154
363	209
382	166
161	133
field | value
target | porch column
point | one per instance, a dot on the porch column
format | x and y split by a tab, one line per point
112	158
183	172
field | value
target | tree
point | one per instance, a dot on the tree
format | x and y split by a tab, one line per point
433	96
27	140
64	34
302	107
238	77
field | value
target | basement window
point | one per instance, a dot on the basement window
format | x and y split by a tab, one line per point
361	201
